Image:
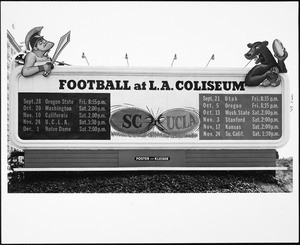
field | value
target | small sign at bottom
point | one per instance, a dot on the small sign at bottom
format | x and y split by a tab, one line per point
145	158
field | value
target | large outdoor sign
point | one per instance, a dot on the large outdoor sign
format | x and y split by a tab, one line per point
149	108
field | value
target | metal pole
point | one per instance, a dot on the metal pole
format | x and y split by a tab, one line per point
84	57
126	57
211	58
175	58
208	62
247	63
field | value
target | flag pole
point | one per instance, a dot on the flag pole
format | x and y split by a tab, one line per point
175	58
247	63
211	58
126	57
84	57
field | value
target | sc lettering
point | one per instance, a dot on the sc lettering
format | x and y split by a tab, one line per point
132	120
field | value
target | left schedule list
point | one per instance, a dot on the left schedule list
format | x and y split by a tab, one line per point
64	116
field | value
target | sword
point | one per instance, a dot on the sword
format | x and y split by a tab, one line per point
63	41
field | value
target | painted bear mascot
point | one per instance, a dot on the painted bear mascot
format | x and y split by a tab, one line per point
266	72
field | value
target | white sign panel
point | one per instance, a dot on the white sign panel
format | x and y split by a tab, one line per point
149	108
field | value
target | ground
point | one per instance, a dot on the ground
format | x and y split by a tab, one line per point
155	181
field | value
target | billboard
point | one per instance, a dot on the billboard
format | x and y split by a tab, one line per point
147	108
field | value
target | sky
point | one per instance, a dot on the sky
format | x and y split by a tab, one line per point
151	33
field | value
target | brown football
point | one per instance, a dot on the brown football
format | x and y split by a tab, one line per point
278	48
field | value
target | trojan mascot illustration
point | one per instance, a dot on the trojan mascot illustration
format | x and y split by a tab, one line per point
37	60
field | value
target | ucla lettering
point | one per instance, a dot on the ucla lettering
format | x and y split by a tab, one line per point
180	122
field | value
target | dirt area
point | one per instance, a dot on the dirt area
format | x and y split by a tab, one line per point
283	180
155	181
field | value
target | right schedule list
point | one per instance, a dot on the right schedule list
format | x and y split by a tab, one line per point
240	116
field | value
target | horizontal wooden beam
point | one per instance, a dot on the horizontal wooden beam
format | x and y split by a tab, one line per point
155	169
